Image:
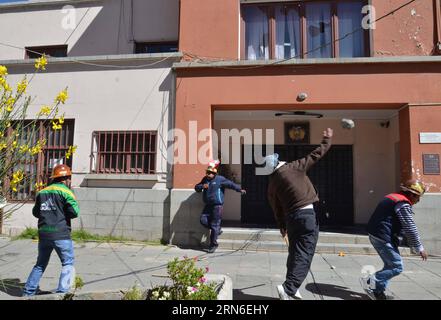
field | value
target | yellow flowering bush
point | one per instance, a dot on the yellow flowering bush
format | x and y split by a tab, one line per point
19	133
40	63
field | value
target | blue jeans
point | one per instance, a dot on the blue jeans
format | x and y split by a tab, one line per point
211	219
393	264
64	249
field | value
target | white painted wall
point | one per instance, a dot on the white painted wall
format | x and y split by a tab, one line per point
374	158
107	100
101	28
102	100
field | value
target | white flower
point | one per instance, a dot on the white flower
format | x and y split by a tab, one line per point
166	294
155	294
162	298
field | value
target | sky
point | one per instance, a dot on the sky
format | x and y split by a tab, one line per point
7	1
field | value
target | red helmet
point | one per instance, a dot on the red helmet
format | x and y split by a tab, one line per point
213	166
60	171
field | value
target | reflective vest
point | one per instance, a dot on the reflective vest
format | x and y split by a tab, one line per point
384	222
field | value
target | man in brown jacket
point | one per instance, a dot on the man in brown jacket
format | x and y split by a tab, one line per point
291	196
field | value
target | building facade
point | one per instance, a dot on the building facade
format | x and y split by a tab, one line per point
300	67
115	58
230	77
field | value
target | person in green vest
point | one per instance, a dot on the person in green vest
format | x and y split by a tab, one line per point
55	206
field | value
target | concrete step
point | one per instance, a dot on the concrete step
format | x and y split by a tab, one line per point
271	240
274	235
280	246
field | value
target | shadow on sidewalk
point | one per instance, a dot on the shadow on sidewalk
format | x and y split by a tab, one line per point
331	290
238	294
12	287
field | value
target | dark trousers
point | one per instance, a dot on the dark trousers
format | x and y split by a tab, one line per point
211	219
303	231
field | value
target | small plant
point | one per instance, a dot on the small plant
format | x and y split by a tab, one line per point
189	283
78	284
28	233
135	293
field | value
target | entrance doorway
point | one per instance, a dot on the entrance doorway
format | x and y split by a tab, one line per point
332	176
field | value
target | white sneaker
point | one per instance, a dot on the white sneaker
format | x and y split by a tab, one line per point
284	296
366	285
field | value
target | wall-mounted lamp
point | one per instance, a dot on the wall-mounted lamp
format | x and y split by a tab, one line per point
385	124
299	113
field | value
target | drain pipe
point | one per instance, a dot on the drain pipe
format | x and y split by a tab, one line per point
437	21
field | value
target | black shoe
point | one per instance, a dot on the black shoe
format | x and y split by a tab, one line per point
212	249
220	232
382	296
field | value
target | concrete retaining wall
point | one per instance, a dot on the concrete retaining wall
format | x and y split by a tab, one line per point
185	209
428	220
139	214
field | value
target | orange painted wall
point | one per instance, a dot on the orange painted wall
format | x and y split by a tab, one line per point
410	31
328	86
210	28
424	119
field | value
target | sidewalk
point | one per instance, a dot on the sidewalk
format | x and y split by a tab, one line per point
255	274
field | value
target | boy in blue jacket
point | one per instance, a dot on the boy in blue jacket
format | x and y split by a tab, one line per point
213	187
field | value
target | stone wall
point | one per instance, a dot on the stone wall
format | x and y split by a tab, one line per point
139	214
185	209
428	220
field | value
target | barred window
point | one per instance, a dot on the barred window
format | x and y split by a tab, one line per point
38	168
123	152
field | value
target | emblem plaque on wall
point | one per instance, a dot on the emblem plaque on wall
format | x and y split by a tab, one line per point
297	132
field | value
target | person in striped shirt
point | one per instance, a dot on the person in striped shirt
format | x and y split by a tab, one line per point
391	222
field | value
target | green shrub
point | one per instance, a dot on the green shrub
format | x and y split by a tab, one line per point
189	283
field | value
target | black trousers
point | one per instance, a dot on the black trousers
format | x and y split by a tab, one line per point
211	219
303	231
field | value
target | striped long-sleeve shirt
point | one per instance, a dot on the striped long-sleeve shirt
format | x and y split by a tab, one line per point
404	213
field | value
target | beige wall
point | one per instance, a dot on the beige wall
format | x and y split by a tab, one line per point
102	28
107	100
374	159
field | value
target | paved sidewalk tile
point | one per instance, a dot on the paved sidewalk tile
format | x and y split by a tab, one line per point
255	274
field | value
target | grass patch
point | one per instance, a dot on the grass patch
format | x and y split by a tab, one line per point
28	233
84	236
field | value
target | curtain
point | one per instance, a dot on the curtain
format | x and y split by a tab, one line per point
287	32
319	30
349	19
256	33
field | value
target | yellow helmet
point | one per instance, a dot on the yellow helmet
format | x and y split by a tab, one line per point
414	186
